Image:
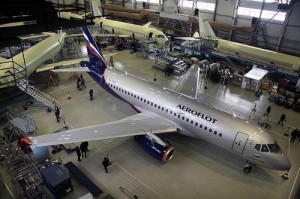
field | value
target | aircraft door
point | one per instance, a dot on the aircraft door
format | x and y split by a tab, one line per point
150	35
239	142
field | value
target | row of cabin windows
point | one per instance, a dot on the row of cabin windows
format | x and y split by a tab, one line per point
162	108
136	33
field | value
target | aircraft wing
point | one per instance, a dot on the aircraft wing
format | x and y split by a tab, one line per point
60	64
189	83
188	38
137	124
76	69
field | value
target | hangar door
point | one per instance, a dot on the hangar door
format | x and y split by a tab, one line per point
240	142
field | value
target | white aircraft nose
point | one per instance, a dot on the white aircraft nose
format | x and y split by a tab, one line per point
283	163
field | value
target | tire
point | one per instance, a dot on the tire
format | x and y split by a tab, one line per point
247	169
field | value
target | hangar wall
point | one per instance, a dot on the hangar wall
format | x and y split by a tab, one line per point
267	35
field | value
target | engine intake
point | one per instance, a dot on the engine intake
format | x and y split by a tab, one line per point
155	146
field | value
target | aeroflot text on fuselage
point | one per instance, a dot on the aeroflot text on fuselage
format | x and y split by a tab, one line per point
194	112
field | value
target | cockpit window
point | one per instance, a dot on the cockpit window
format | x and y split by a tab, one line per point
160	36
257	147
274	148
264	148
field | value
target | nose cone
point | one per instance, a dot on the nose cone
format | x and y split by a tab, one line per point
283	163
167	43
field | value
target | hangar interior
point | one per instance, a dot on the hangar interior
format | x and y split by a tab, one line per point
198	169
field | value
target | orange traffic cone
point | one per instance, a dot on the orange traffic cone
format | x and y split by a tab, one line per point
285	176
69	97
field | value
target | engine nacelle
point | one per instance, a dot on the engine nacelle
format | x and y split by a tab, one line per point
155	146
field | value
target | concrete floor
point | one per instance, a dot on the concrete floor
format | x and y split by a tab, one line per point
197	170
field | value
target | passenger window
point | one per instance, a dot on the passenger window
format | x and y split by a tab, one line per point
257	147
215	132
196	124
210	130
220	135
264	148
192	122
205	128
182	118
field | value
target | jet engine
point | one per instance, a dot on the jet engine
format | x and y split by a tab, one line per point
155	146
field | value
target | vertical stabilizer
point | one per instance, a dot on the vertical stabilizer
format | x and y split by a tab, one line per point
205	29
97	62
96	10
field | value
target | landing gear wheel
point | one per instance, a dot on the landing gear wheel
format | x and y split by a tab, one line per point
247	169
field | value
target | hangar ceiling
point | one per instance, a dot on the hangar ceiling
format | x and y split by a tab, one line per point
22	17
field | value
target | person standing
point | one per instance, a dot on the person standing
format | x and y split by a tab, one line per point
57	113
268	111
91	94
294	135
83	149
105	164
282	118
78	153
86	145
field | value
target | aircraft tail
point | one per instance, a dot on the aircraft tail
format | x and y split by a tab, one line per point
95	8
97	61
205	29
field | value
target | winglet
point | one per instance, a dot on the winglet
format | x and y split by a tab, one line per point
147	24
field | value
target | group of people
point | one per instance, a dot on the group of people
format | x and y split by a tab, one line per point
82	150
295	135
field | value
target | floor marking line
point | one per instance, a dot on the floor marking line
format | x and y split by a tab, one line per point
294	183
129	173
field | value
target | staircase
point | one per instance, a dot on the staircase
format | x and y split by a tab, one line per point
42	97
228	60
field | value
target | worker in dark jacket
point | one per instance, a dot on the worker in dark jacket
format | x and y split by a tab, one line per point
78	153
294	135
83	149
282	118
105	163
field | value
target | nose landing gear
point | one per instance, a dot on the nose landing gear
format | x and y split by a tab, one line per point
248	167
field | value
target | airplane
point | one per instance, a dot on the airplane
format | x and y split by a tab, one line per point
161	110
242	51
122	28
30	59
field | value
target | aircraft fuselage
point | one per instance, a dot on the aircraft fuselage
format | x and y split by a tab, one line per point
194	119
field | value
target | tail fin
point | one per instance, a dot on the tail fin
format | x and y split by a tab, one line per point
95	8
205	29
97	61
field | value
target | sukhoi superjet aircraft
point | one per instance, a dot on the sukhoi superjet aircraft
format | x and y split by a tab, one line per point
30	60
121	28
160	110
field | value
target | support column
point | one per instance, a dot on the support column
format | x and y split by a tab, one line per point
234	17
285	23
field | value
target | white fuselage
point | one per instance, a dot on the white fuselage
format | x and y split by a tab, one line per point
260	55
194	119
24	64
122	28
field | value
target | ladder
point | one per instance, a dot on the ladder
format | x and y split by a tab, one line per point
43	97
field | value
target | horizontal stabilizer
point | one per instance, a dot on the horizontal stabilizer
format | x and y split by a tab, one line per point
188	38
189	83
59	64
137	124
147	24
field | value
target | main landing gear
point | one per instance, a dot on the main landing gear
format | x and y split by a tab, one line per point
248	167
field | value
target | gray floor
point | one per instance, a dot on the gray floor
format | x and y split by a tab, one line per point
197	170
